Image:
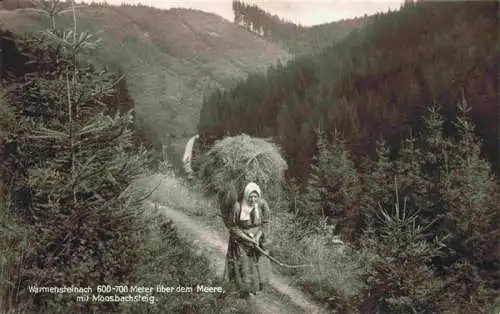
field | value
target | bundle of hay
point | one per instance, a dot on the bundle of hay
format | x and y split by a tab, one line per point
234	161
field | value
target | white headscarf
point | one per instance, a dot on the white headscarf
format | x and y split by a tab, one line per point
246	209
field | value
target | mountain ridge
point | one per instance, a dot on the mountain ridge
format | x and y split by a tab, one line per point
168	72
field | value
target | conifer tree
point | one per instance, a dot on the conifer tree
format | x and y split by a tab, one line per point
73	166
435	159
469	198
413	185
237	11
402	278
377	180
333	186
449	191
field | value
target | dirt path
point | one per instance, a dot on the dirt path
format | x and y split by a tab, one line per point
285	299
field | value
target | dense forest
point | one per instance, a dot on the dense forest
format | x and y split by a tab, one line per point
296	38
391	135
374	83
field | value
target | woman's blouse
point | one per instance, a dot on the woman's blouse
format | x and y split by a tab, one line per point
236	225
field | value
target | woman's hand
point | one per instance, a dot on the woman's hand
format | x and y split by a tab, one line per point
251	243
255	243
258	236
251	240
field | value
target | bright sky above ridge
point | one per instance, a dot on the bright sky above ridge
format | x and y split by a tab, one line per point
305	12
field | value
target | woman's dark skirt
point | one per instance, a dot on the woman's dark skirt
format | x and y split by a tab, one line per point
246	267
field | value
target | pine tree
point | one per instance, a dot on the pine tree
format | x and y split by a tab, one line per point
377	180
402	278
435	159
333	186
448	190
414	187
237	11
73	165
470	201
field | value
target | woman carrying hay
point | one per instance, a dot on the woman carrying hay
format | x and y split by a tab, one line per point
248	223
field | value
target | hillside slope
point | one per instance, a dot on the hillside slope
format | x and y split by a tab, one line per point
171	58
374	83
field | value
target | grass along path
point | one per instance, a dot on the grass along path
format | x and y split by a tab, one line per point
283	299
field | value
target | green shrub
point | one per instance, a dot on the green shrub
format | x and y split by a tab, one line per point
335	276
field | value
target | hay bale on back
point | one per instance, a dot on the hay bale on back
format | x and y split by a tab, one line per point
234	161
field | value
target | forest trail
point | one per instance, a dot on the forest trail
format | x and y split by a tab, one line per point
282	299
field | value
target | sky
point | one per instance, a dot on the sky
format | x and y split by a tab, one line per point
305	12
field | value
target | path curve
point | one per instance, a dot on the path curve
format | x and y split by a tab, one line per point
214	245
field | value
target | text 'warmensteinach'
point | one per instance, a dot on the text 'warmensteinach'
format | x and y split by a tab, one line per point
63	289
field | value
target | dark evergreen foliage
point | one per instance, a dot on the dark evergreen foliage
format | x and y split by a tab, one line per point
402	278
70	160
429	213
333	188
436	239
448	190
374	83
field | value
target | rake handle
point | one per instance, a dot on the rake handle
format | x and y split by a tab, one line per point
278	262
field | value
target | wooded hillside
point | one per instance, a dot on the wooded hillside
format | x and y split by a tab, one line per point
374	83
171	59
